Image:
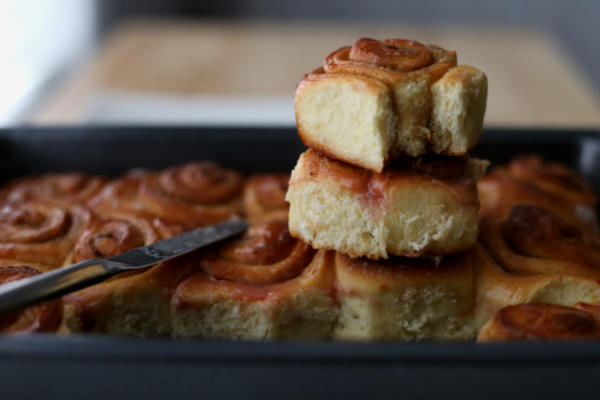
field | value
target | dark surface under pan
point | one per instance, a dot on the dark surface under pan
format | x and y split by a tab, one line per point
91	366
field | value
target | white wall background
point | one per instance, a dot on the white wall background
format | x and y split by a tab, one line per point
37	39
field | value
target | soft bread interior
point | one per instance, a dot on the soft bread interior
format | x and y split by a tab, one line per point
459	102
348	117
435	312
405	299
367	123
413	108
306	316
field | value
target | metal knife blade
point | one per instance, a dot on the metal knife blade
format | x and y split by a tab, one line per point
61	281
178	245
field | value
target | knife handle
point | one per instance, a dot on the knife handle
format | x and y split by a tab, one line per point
55	283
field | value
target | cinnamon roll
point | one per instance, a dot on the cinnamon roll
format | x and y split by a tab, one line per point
530	180
264	196
405	298
44	317
74	186
539	321
194	194
504	276
378	100
42	231
426	207
109	235
263	285
538	237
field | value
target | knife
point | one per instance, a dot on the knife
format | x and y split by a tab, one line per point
65	280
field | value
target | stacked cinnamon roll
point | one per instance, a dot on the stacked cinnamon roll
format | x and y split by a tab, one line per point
387	176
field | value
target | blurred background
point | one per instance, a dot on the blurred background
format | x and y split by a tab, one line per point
237	62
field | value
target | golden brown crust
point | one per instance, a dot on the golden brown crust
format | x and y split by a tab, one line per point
115	233
529	221
539	321
265	256
530	180
44	317
191	195
534	244
78	187
532	239
41	231
391	60
265	194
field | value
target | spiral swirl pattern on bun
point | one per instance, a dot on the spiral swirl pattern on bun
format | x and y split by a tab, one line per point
66	187
192	195
266	254
264	284
390	60
530	180
109	235
534	245
41	231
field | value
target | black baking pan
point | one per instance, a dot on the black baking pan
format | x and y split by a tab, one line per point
92	366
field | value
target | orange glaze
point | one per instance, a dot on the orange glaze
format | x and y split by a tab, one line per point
399	54
544	321
203	287
208	284
189	195
68	186
264	254
105	238
536	232
271	189
390	61
373	187
553	177
202	182
530	180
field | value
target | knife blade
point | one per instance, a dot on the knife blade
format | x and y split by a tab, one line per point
65	280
